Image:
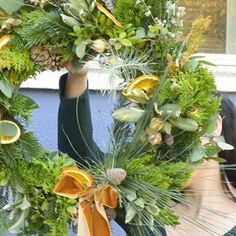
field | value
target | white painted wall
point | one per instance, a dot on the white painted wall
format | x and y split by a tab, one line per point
225	75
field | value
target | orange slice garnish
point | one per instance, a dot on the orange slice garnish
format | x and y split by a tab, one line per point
8	139
108	14
74	183
146	83
4	40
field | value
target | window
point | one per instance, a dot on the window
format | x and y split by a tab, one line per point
221	35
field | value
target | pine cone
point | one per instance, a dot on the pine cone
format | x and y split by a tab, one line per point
111	214
46	58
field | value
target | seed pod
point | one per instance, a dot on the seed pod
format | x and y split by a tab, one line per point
169	139
116	175
156	124
99	45
155	139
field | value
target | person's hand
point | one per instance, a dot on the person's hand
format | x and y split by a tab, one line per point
75	71
76	81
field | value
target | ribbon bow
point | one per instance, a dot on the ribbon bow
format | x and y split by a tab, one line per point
92	218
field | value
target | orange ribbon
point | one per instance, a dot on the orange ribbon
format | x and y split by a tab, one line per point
92	218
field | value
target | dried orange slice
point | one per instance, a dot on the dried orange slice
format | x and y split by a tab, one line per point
144	83
74	183
108	14
9	132
4	40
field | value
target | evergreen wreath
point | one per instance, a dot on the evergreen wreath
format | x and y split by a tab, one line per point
165	105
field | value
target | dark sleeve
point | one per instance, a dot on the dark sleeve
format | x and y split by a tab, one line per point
75	131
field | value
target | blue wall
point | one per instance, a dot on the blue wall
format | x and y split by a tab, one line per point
44	120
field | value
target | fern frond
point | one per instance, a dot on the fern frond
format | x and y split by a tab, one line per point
41	27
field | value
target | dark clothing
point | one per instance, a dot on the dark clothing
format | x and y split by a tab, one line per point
232	232
75	132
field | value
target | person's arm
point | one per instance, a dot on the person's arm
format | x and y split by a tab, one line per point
75	132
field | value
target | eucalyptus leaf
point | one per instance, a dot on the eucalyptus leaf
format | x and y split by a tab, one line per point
212	124
69	20
126	42
197	154
151	34
222	144
130	213
122	35
141	33
137	96
118	46
6	88
225	146
129	193
128	114
191	65
11	6
19	223
167	127
140	203
206	63
80	50
186	124
152	209
211	151
25	204
170	111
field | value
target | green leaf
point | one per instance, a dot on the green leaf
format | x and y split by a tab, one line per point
167	127
169	111
211	151
222	144
151	35
6	88
7	129
206	63
129	193
25	204
11	6
128	114
130	213
153	209
126	42
212	124
225	146
197	154
118	46
186	124
141	33
191	65
122	35
140	203
137	96
19	223
69	20
80	50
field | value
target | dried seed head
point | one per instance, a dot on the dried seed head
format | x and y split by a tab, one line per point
116	175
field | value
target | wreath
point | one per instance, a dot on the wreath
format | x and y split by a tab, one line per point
165	104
